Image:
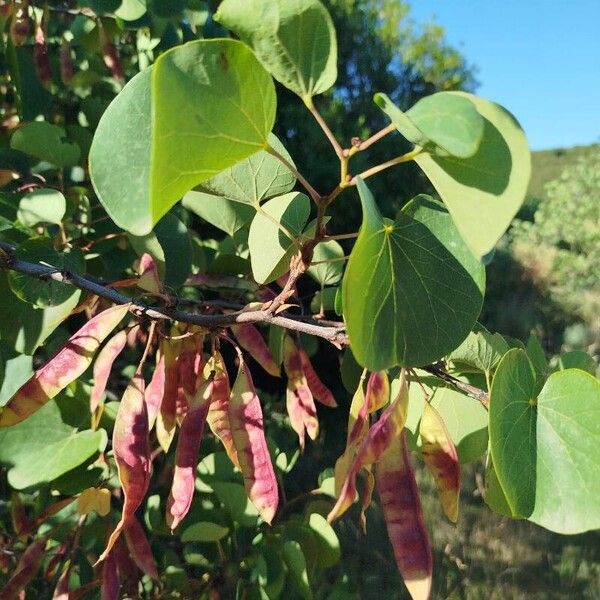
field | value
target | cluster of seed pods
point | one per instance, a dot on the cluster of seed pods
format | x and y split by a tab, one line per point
187	389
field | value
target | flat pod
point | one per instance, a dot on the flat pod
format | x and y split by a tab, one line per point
245	415
403	515
131	450
66	366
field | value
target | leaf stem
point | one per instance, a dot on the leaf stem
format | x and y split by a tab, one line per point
340	236
316	197
360	145
386	165
327	131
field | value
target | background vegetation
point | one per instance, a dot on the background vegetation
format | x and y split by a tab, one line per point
544	277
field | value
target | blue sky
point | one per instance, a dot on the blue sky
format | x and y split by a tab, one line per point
540	59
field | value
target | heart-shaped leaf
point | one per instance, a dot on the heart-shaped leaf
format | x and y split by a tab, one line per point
483	192
412	290
546	447
443	123
46	142
294	39
271	247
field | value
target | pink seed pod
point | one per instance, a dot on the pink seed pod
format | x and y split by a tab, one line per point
109	589
378	390
441	459
26	569
63	368
131	449
66	62
218	412
245	416
139	548
149	278
299	399
103	365
41	60
155	390
403	515
166	420
186	456
110	55
378	439
319	390
251	340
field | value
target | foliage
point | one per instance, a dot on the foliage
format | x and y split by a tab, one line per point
101	264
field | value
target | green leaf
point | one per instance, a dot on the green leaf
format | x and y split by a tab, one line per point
494	494
324	300
329	552
213	105
255	178
15	370
44	205
484	192
577	359
465	418
229	216
294	39
204	531
171	248
45	293
296	564
270	248
546	447
28	326
131	10
120	157
442	123
46	142
330	272
412	290
42	448
235	499
481	351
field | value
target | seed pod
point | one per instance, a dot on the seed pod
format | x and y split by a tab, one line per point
49	511
378	390
378	439
190	364
66	366
299	400
109	589
218	411
186	457
110	55
166	420
6	8
403	515
61	591
441	459
26	569
19	27
245	416
128	572
318	389
41	60
103	366
358	426
132	453
149	279
155	389
18	516
66	62
250	339
139	548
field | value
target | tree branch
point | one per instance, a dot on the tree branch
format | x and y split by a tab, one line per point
8	260
437	371
330	136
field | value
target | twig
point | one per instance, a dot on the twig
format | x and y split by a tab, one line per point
386	165
471	390
335	335
360	145
332	139
316	197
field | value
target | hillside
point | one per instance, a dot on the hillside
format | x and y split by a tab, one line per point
549	164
